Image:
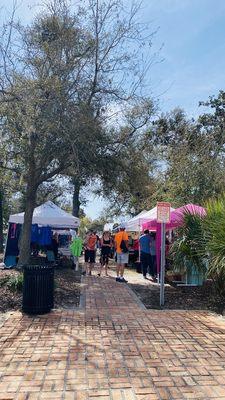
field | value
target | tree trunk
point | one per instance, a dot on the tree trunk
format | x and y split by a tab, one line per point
1	220
76	196
24	255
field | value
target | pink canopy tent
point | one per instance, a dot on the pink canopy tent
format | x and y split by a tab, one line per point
176	220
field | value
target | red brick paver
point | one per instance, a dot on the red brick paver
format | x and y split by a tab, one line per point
112	349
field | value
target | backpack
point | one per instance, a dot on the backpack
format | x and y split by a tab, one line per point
123	246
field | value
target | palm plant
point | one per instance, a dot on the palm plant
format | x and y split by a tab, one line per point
200	242
188	248
214	233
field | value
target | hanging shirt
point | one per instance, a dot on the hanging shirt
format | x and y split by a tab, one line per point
12	230
34	233
76	247
12	244
45	236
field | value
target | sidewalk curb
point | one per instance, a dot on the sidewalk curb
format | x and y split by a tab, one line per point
136	298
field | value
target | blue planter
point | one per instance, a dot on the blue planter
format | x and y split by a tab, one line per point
194	277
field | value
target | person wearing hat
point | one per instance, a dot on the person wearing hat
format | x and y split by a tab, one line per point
122	252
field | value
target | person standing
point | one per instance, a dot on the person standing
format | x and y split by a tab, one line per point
153	255
145	253
106	245
122	253
89	254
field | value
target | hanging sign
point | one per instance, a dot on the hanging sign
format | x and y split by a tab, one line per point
163	212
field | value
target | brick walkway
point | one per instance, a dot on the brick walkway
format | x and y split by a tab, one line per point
112	349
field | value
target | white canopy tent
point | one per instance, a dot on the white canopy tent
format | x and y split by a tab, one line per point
135	223
108	227
48	214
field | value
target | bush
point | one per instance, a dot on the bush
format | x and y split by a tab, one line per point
15	283
4	280
201	242
189	245
214	228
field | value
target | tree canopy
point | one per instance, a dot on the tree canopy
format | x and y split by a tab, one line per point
59	76
75	104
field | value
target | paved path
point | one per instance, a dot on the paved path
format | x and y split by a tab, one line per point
112	349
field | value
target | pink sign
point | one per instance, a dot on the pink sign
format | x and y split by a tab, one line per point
163	212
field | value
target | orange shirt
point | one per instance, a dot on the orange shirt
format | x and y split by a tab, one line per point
91	242
122	235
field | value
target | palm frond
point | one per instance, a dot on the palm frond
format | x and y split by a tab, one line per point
188	247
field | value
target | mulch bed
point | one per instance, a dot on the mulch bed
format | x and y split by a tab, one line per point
10	299
67	290
178	297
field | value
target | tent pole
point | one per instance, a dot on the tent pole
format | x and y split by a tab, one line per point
162	269
139	247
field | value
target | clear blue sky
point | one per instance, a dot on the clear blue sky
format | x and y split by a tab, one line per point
193	36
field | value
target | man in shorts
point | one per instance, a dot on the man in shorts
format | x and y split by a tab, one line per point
89	254
122	254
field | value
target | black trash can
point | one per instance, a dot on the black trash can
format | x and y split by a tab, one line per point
38	289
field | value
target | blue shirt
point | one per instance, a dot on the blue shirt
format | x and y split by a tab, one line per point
145	244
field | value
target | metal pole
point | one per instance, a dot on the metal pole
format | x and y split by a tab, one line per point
162	269
158	267
139	246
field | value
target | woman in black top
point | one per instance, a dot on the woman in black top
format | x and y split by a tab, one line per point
106	245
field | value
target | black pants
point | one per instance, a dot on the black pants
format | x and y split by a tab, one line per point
136	255
153	270
104	259
89	256
145	263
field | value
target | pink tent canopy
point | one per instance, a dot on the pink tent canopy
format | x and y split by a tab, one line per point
176	220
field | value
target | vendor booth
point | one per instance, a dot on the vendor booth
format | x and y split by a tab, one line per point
176	220
108	227
135	223
47	219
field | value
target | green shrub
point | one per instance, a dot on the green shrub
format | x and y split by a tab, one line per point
214	228
15	283
201	241
4	280
189	245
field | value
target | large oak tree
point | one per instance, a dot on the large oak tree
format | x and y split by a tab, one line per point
59	77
